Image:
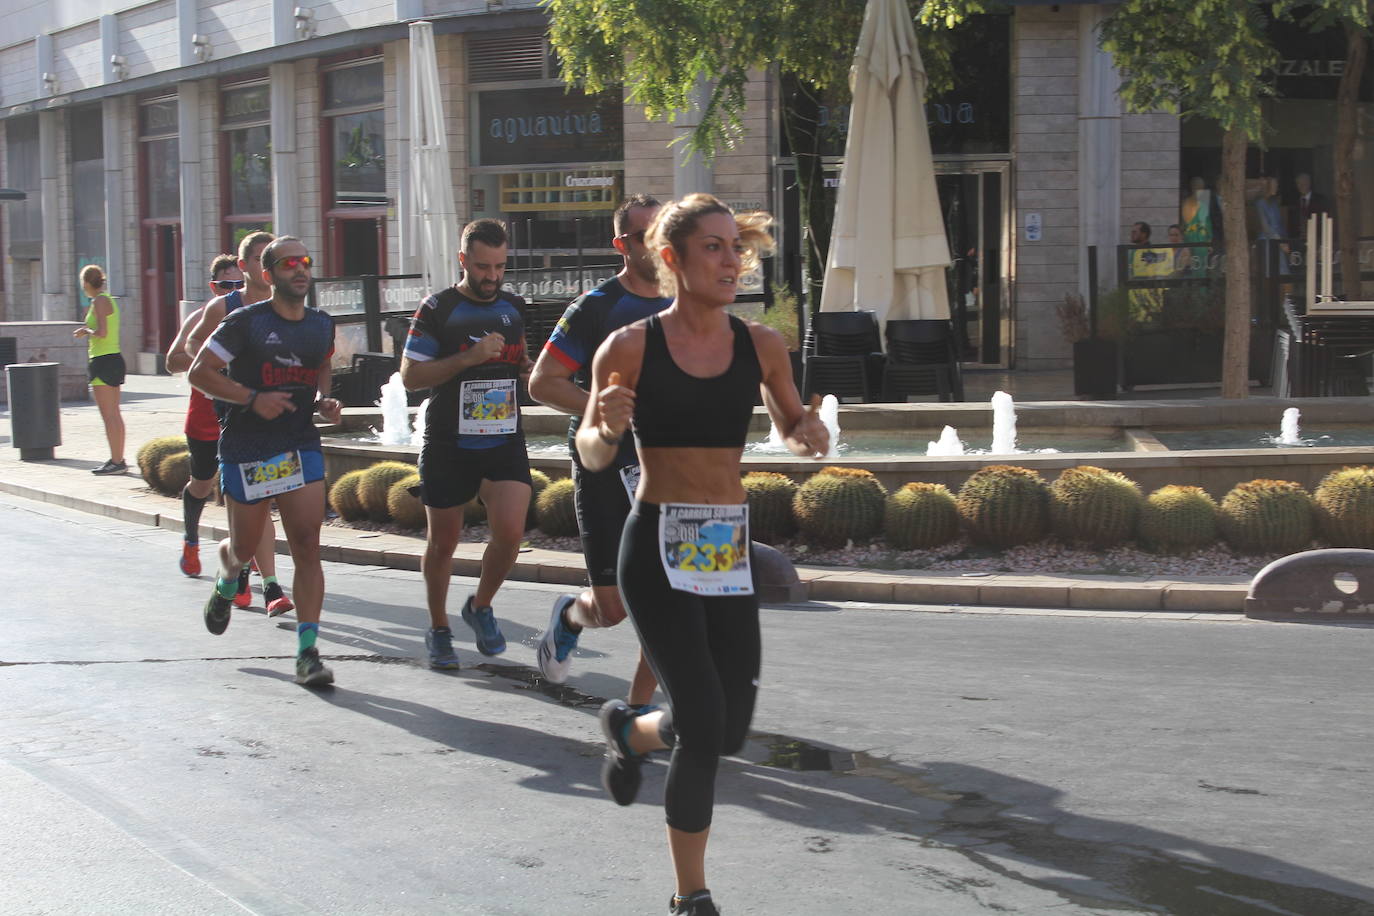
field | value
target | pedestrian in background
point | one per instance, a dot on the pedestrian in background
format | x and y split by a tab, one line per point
105	365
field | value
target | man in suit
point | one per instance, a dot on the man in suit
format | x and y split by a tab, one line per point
1309	202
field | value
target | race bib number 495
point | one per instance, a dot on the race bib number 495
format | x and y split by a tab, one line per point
705	549
487	407
271	476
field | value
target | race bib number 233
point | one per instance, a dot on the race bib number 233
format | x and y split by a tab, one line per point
705	548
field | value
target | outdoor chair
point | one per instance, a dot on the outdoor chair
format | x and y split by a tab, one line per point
370	372
843	356
921	360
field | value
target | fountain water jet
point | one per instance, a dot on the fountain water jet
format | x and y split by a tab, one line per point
417	438
1288	428
830	416
1003	424
949	444
395	413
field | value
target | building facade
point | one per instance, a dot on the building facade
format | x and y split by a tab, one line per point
151	136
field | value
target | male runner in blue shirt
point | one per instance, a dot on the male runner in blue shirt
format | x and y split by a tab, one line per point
467	342
277	354
561	379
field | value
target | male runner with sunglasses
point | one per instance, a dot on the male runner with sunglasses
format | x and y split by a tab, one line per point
561	378
277	355
230	283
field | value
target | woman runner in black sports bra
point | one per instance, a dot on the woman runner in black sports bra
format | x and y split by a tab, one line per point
686	379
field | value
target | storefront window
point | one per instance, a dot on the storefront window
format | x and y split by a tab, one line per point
973	118
359	142
161	159
245	121
353	100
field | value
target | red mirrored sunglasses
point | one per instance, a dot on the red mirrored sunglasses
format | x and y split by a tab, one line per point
291	263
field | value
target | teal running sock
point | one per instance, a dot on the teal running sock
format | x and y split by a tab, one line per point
268	580
226	588
305	635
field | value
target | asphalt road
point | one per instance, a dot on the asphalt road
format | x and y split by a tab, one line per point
905	760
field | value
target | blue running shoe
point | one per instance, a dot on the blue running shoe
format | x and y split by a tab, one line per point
556	645
439	642
483	623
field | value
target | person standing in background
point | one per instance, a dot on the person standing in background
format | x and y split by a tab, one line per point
105	365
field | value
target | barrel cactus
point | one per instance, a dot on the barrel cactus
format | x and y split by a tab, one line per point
770	496
344	498
538	481
174	472
1268	516
1093	506
1177	519
1002	506
920	516
151	453
1345	507
839	504
557	515
376	484
474	512
404	507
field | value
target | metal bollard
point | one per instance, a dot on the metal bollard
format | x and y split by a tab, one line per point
35	422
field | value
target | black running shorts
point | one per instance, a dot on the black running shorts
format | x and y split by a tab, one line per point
106	370
450	476
602	505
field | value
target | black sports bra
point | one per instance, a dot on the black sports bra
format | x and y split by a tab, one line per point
674	409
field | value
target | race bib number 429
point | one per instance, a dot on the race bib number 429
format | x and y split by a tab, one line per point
705	549
487	407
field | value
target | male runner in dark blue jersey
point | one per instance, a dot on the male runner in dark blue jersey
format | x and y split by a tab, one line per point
602	498
467	342
277	353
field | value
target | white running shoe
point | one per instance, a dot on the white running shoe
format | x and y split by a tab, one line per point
555	646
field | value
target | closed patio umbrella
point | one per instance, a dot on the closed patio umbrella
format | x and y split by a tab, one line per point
430	176
888	250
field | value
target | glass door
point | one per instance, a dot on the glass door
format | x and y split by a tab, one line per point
974	201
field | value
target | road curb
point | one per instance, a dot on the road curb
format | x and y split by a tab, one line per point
823	584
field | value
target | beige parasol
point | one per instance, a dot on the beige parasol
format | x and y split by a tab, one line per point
888	250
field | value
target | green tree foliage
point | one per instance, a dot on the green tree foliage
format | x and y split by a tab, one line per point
664	51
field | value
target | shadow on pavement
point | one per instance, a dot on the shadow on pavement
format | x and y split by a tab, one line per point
1088	861
516	744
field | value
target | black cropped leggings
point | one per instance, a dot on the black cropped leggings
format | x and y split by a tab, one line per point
705	652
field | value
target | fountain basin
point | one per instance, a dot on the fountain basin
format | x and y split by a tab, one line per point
1139	453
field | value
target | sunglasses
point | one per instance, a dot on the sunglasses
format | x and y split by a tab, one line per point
225	286
637	236
291	263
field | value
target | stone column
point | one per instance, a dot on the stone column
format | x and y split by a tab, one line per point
55	305
410	246
1099	150
193	260
690	174
286	199
118	238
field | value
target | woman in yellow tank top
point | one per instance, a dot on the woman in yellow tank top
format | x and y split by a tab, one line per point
106	365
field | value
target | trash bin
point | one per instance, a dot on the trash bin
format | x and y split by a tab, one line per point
35	423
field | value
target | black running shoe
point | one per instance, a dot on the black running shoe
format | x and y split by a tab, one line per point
217	612
697	903
620	775
310	671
